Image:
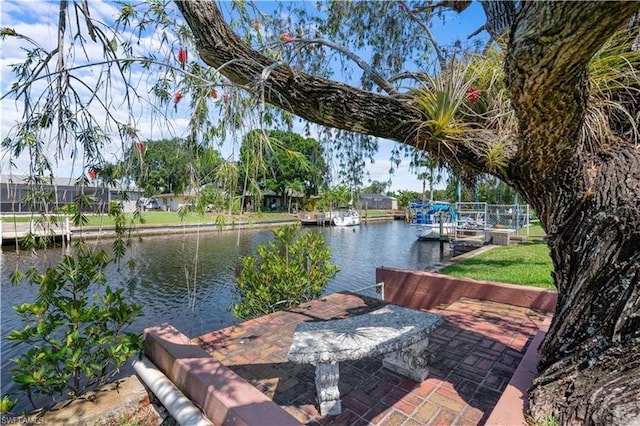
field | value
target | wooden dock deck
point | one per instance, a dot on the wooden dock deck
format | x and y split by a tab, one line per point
13	232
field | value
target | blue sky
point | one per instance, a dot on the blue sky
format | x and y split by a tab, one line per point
38	19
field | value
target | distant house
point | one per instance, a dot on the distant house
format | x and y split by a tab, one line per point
276	202
175	202
270	201
15	190
377	201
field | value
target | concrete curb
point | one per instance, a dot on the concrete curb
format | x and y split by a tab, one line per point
513	404
223	396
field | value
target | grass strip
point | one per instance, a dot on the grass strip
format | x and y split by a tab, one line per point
527	263
160	218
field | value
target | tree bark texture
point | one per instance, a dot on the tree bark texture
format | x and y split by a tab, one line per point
587	193
588	196
500	16
589	364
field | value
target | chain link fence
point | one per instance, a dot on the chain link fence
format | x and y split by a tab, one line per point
476	218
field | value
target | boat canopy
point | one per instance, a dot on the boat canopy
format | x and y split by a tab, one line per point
432	208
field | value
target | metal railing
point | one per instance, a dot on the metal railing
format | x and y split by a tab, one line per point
476	218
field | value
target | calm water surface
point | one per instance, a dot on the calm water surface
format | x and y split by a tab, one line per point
169	265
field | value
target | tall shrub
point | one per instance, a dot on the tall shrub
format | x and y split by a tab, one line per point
291	269
75	330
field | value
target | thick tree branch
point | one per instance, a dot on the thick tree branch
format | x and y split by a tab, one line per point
316	99
500	16
550	48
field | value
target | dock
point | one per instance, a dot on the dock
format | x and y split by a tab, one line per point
12	232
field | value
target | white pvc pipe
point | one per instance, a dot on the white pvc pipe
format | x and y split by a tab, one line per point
178	405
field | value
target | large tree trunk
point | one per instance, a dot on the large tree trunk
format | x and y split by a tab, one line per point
586	192
589	364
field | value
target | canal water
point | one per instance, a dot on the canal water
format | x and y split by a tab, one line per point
168	266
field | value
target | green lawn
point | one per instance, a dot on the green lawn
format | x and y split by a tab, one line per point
535	231
164	218
525	264
173	218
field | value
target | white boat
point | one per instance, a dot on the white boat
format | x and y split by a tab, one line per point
425	220
347	218
432	231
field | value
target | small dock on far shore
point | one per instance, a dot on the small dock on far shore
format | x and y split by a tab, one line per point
12	232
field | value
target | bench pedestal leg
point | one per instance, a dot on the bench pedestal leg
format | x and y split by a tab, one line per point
327	377
409	362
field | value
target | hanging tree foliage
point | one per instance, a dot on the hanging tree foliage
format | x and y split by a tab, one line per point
550	106
547	126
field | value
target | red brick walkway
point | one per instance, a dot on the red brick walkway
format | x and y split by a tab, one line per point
473	356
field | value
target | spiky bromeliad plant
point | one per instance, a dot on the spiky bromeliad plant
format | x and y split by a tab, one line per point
465	100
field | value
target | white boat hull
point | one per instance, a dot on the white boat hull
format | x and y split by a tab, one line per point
426	218
432	231
350	219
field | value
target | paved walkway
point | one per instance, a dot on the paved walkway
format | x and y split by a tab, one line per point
474	355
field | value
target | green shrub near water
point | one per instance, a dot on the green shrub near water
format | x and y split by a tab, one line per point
291	269
75	330
6	405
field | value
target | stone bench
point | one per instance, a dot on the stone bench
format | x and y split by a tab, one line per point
400	334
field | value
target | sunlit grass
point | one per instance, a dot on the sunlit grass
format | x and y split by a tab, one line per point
161	218
535	233
524	264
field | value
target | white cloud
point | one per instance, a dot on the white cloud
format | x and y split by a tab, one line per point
39	20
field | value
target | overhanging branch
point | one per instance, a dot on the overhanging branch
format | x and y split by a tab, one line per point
318	99
313	98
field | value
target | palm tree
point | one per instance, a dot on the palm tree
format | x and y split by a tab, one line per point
431	172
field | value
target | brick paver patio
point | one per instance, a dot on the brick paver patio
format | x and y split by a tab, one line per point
473	356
